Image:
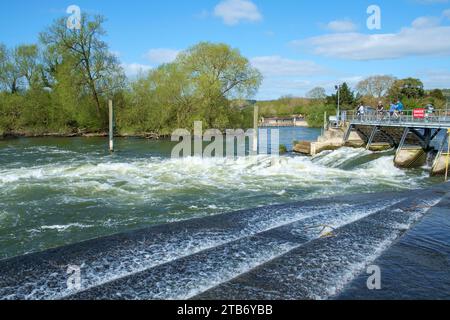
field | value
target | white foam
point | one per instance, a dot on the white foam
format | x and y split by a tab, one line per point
62	228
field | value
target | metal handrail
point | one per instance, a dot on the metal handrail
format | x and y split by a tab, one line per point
440	117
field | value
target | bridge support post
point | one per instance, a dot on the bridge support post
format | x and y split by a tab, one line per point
402	141
411	157
348	132
372	136
439	165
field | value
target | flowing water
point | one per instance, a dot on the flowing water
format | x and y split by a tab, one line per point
56	191
258	232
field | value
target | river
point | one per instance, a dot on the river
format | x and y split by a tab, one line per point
58	191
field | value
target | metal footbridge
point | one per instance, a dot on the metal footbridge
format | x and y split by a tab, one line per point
414	127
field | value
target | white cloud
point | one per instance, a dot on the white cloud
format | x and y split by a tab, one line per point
135	69
424	38
233	12
276	66
341	26
426	22
162	55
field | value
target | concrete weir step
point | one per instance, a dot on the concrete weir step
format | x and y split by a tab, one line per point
321	268
43	275
185	277
204	257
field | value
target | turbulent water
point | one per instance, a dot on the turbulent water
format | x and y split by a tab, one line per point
61	191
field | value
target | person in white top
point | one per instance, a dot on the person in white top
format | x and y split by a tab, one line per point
361	111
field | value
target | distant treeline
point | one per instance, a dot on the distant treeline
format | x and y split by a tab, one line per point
62	85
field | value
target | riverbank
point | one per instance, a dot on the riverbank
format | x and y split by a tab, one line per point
144	135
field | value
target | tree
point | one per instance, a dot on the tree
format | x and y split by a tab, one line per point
100	71
409	88
10	73
3	63
437	94
375	86
218	73
198	85
26	60
222	69
317	93
346	97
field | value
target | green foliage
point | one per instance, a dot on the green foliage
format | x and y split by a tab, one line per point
315	116
199	85
409	88
346	97
98	71
285	106
283	149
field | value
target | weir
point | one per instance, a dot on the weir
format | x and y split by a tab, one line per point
275	252
410	134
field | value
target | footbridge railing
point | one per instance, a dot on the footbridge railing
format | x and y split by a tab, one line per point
418	118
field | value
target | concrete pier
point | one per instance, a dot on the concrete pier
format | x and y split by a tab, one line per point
410	157
332	139
440	165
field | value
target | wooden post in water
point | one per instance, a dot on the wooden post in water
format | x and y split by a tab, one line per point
111	126
255	128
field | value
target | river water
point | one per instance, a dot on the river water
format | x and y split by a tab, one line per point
58	191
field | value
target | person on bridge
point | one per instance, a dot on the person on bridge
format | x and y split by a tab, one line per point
400	108
429	111
393	110
361	111
380	110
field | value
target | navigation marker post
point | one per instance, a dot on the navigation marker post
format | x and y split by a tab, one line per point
111	126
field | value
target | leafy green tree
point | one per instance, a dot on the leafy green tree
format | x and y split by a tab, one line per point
218	73
10	74
100	70
198	85
409	88
437	94
26	59
346	97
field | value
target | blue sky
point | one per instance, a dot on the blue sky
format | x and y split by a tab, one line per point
296	44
